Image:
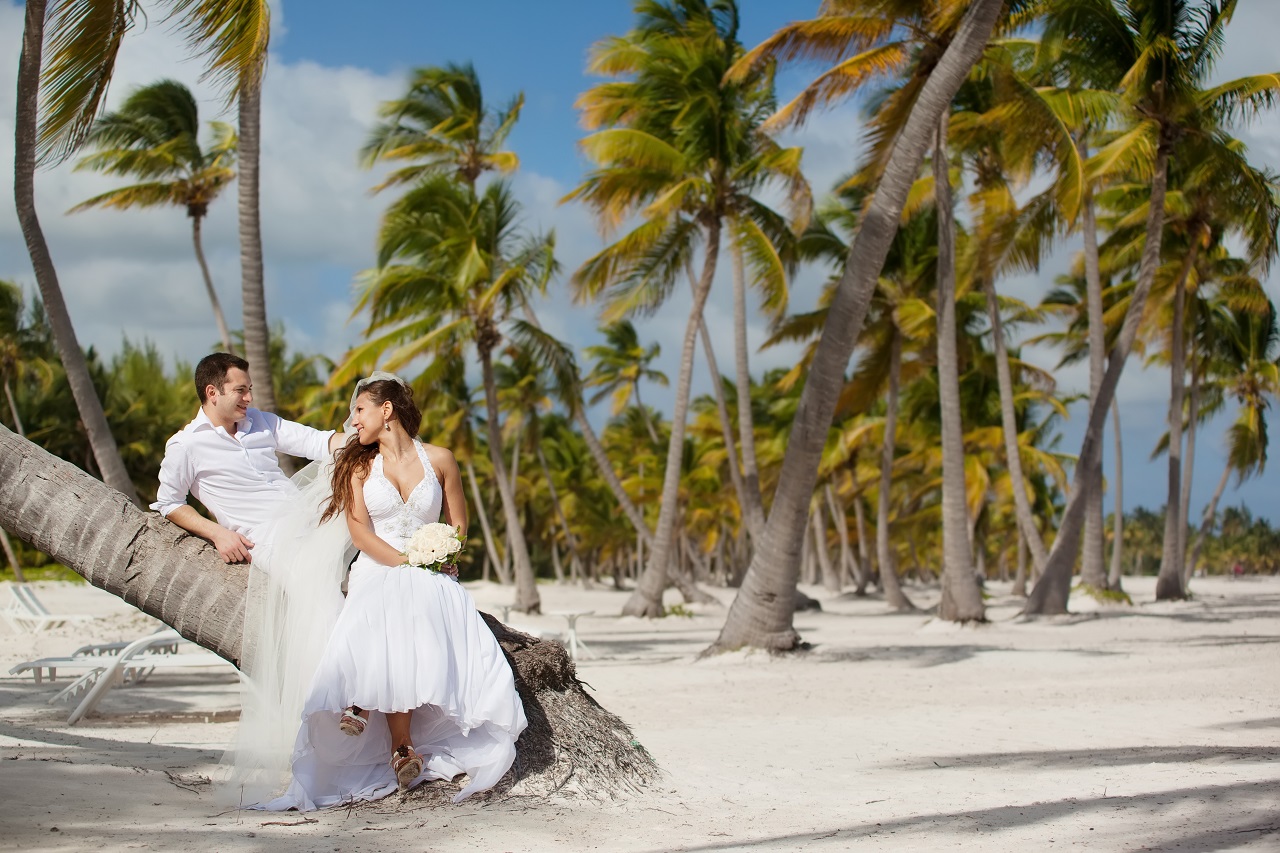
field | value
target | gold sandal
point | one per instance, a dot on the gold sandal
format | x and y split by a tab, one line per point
407	765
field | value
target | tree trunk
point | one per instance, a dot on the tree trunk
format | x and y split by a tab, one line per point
1020	579
527	598
646	600
762	612
218	316
101	441
569	541
726	426
753	509
893	594
961	597
12	557
1210	515
840	519
1091	569
1049	596
490	544
180	580
1117	520
864	557
13	409
830	576
257	339
1009	420
1169	584
1188	465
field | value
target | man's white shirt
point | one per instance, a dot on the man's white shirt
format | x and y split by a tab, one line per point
236	476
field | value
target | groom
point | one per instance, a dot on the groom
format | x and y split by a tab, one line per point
226	458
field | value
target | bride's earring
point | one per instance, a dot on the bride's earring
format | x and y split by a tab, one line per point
386	425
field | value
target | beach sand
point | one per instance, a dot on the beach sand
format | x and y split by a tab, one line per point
1153	727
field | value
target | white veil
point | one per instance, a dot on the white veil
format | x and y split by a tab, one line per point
292	603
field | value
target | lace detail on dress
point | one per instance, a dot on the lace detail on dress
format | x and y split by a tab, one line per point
395	519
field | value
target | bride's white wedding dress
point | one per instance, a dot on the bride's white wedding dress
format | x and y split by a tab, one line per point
406	639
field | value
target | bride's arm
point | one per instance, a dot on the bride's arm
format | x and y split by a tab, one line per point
361	527
455	504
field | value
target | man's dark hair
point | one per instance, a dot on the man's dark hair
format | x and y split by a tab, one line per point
213	370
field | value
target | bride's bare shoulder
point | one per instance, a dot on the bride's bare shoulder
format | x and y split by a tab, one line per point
441	457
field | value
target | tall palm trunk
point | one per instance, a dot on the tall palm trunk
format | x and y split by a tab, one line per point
646	600
257	341
1020	576
218	316
1188	466
1050	594
1091	569
830	575
490	544
13	409
726	427
570	542
840	518
864	558
101	441
1009	422
1206	523
893	594
754	506
763	610
601	457
648	421
1169	583
1117	519
527	598
961	597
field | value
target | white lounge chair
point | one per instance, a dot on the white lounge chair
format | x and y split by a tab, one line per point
106	665
27	613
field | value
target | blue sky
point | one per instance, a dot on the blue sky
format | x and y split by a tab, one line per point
132	274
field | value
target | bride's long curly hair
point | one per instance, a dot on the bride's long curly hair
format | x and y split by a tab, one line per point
356	458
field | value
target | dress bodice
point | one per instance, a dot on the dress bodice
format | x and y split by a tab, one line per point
394	519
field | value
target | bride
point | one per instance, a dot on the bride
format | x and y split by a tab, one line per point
404	681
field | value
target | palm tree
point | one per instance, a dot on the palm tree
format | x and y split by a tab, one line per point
681	146
84	38
442	127
1168	48
620	365
762	612
154	137
452	271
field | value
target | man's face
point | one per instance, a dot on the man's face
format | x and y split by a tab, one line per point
229	403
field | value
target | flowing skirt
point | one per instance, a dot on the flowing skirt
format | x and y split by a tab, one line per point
407	639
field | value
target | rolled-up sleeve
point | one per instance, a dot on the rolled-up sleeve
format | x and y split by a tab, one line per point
298	440
175	478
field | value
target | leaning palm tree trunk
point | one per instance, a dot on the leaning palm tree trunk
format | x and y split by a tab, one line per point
726	426
1091	571
893	594
961	598
1117	520
646	600
257	342
1009	421
527	598
1169	583
101	441
753	509
569	540
763	611
218	316
13	409
1049	595
490	543
1210	516
181	581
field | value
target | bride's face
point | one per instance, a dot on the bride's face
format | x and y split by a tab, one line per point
368	418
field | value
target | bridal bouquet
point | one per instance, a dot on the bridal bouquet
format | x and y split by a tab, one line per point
435	546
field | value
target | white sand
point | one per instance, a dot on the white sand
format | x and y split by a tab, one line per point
1155	727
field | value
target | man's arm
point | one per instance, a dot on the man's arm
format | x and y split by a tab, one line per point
298	440
233	547
171	502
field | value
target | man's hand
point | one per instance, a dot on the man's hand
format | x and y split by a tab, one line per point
233	547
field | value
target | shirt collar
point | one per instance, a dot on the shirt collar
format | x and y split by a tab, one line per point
201	422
